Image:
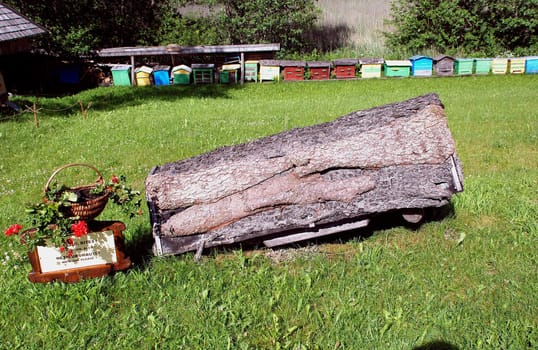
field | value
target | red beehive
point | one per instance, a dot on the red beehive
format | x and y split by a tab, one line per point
345	68
293	70
319	70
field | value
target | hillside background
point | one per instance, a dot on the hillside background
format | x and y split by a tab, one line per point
357	23
344	24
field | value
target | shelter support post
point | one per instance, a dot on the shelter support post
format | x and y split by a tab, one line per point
242	68
132	71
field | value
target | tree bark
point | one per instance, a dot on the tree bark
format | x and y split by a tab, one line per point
397	156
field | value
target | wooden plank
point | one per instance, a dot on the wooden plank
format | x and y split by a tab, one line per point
186	50
298	237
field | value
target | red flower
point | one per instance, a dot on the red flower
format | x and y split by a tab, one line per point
70	241
115	179
69	253
62	249
80	229
13	230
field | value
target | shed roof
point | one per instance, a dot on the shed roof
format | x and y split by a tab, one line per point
420	57
398	63
185	50
346	62
319	64
269	62
443	57
292	63
15	26
371	61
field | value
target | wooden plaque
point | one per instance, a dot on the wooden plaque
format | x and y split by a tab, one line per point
97	254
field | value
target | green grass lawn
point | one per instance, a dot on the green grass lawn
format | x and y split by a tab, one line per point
468	281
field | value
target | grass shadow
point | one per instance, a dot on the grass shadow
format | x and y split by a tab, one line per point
114	97
436	345
139	247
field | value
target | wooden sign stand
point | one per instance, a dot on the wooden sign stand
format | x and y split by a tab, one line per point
73	273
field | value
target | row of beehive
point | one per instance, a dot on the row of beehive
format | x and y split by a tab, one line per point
270	70
416	66
178	75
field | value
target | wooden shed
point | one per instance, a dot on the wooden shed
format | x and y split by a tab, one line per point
293	70
463	66
531	65
517	65
499	65
269	70
443	65
482	65
371	67
215	54
16	31
345	68
397	68
319	70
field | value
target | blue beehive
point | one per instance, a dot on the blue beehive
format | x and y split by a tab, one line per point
421	66
531	65
161	75
70	74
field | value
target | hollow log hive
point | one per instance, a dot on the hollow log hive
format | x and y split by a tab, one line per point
312	181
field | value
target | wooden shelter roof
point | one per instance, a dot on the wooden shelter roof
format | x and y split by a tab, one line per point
185	50
15	26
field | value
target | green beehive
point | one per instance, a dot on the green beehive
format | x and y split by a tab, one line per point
203	73
482	65
121	74
229	73
397	68
463	66
182	75
251	71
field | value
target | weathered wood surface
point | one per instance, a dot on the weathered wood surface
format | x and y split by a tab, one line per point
397	156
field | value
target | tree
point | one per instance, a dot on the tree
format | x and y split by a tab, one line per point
188	28
240	22
77	27
483	27
268	21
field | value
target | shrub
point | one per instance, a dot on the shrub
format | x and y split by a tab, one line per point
481	27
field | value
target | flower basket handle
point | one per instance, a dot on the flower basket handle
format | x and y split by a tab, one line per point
98	181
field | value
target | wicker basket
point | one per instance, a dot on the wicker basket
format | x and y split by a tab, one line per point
90	208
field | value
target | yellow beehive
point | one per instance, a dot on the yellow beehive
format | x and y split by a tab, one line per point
517	65
499	65
143	76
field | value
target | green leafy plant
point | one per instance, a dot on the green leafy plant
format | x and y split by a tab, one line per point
52	223
477	28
